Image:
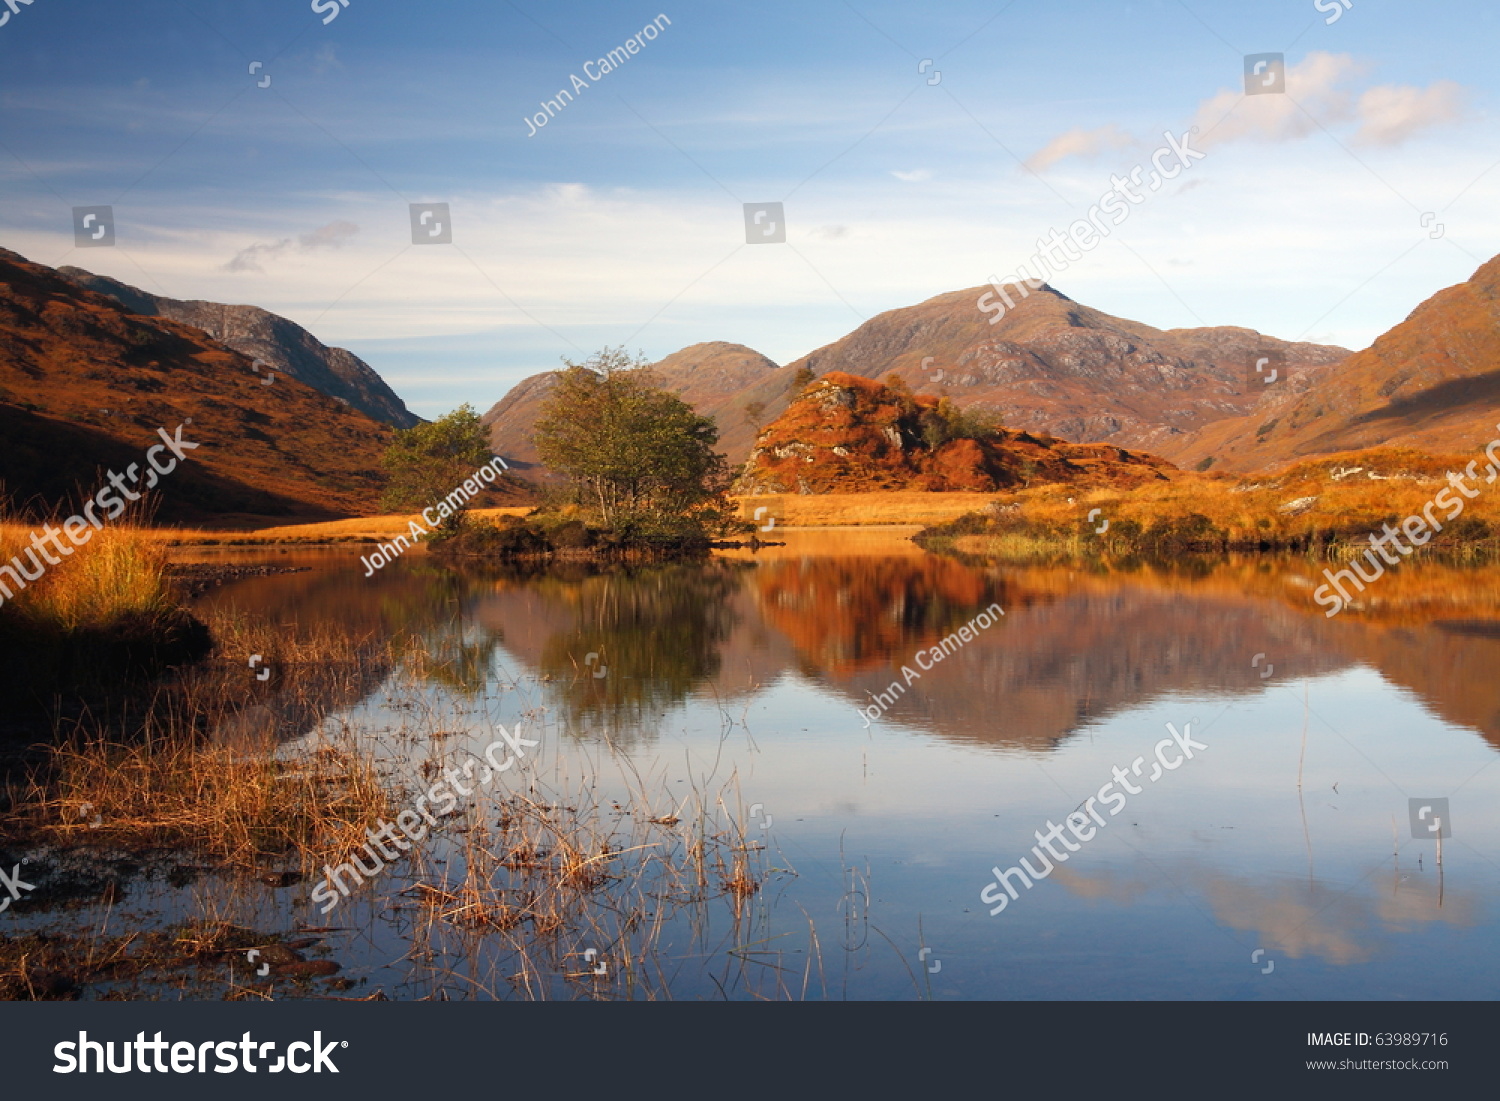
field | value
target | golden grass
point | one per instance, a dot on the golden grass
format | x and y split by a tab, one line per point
359	529
119	571
1296	507
883	507
238	809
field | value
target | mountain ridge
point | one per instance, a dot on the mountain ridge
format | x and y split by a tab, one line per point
1049	365
85	384
279	343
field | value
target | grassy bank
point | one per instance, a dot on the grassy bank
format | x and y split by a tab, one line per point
98	617
873	509
1327	508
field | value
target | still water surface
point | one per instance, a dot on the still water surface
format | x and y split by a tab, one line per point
1276	863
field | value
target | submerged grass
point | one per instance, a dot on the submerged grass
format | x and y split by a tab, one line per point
506	894
234	809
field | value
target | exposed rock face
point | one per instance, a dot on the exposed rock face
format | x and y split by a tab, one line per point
847	434
1053	365
1049	365
282	345
1432	383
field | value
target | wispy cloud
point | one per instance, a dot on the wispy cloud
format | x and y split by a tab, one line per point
1319	94
915	175
1392	113
333	235
1078	143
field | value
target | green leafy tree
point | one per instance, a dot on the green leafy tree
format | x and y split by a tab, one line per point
949	422
428	461
631	450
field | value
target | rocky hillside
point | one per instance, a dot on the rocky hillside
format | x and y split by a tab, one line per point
1431	383
1049	365
847	434
85	384
281	345
1054	365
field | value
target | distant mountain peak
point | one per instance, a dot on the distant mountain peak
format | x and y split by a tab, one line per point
1050	364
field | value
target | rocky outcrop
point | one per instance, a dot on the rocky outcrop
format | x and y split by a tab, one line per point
847	434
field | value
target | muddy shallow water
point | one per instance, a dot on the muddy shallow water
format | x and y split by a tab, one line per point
878	781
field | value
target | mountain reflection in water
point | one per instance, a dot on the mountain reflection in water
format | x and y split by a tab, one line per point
1288	836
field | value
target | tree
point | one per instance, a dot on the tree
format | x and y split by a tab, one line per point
803	376
631	450
755	412
428	461
949	422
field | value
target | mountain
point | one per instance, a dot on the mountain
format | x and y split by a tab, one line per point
847	434
1053	365
1048	365
85	384
281	345
1430	383
708	376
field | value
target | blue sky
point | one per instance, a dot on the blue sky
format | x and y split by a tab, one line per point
1312	215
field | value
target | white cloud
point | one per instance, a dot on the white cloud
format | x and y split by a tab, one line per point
1078	143
916	175
1313	96
1391	113
1319	95
326	60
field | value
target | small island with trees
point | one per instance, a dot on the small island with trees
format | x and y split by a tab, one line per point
639	476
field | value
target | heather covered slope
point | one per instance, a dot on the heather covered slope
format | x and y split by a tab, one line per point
1049	365
846	434
1432	383
85	384
1055	365
281	345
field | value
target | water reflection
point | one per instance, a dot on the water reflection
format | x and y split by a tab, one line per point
617	649
1279	838
620	648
